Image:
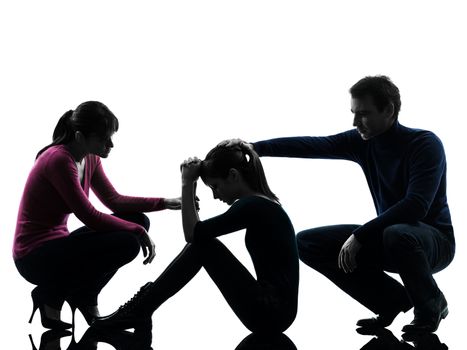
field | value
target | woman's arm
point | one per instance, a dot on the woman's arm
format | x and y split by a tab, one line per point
116	202
62	174
190	173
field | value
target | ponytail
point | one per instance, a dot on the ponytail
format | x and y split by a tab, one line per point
63	132
255	175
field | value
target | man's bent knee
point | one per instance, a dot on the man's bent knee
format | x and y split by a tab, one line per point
399	236
307	247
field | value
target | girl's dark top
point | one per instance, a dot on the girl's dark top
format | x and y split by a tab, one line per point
405	169
269	239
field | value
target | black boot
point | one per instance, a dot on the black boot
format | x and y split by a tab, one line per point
140	339
138	310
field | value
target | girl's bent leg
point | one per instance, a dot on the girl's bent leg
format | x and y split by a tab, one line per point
243	293
246	297
140	308
179	272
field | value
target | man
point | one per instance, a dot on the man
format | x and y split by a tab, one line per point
412	233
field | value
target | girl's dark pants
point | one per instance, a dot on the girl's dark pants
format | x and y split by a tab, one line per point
258	306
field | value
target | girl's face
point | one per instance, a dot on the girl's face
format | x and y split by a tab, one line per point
98	145
226	190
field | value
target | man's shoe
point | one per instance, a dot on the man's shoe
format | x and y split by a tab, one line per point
426	341
428	317
380	321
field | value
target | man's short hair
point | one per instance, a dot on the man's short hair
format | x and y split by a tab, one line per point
381	89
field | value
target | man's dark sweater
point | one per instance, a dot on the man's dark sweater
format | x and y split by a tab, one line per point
405	169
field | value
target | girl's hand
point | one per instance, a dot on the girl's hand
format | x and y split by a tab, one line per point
190	169
148	247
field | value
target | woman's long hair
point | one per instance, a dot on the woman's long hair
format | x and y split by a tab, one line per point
91	117
221	159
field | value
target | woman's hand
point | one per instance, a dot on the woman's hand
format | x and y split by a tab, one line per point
173	203
148	247
190	170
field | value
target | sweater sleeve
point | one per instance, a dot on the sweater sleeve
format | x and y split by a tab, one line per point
234	219
426	164
63	175
340	146
116	202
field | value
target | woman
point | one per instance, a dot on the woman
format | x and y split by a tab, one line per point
265	304
76	266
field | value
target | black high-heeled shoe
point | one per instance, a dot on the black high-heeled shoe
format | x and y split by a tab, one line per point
47	338
47	322
89	312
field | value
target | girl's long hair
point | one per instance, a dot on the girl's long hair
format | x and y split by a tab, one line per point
91	117
221	159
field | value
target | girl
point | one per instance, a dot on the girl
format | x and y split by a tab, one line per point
265	304
76	266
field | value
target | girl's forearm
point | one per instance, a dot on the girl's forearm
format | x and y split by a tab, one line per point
189	213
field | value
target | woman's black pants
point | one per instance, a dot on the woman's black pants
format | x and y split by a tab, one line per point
80	265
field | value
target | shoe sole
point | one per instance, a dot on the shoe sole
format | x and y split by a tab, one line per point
442	316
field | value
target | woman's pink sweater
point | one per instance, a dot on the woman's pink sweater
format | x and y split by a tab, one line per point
53	191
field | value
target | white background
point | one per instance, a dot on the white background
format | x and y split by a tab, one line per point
183	75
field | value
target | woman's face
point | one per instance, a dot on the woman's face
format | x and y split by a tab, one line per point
223	189
98	145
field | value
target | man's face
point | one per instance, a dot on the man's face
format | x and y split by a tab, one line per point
368	120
